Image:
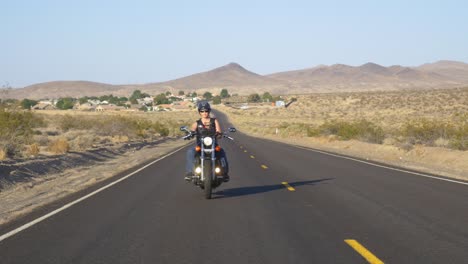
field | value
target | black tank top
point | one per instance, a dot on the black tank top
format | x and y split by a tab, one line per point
203	130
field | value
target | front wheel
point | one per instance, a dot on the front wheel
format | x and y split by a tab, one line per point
207	171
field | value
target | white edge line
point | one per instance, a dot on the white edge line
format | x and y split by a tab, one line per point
382	166
28	225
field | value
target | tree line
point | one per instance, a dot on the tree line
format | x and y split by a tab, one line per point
68	102
162	98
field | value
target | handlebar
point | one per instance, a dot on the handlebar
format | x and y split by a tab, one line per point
192	134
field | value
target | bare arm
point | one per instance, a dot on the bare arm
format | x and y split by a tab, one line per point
218	126
194	127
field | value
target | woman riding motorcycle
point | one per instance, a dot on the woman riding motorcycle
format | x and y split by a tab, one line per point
205	123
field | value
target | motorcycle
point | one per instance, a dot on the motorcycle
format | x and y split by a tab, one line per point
208	170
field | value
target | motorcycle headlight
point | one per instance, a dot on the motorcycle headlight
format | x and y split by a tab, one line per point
207	141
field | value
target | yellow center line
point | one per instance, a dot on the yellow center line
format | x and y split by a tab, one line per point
253	157
245	151
371	258
265	167
290	188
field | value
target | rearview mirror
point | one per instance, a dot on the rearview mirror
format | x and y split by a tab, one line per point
183	128
232	129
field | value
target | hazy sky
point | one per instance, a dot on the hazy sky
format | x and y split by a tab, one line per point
120	42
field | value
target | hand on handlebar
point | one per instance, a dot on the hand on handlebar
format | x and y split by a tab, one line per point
190	135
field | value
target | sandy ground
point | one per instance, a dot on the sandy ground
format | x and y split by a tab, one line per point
23	197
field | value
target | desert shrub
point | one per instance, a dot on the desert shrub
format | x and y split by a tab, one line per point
3	154
284	125
105	140
16	129
370	132
142	128
424	131
459	143
345	130
404	145
59	146
131	127
18	125
163	131
82	142
41	140
169	128
71	122
33	150
68	122
120	139
298	129
288	129
313	131
445	133
363	130
390	141
442	142
11	149
115	125
459	138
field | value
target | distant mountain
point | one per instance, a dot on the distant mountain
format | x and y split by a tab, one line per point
230	75
57	89
454	70
369	76
235	78
373	68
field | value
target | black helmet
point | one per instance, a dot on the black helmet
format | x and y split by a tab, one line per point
204	106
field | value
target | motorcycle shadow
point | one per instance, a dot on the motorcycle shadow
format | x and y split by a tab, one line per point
251	190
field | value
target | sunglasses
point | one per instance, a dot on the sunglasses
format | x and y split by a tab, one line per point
204	111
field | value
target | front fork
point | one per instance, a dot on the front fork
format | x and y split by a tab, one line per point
202	165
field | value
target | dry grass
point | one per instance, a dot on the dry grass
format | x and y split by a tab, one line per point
420	130
33	150
431	117
59	146
58	132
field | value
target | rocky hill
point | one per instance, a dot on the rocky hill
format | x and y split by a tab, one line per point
232	76
235	78
367	77
456	71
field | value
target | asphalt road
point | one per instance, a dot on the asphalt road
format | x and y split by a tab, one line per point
154	216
